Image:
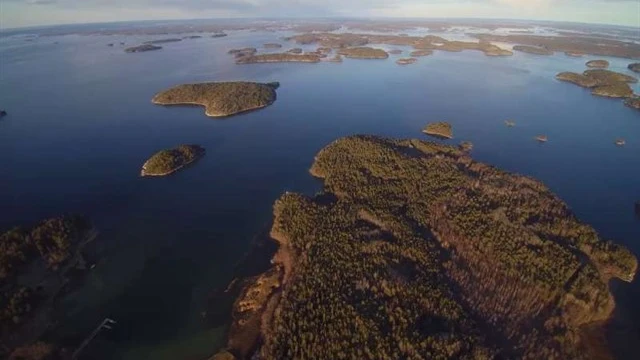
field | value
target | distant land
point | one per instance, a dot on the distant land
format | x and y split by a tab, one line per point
414	248
222	98
142	48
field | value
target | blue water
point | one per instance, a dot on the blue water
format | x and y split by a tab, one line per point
81	124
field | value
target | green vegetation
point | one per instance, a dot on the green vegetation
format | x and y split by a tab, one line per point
635	67
219	99
599	64
415	251
533	50
168	161
601	82
363	53
279	57
51	242
439	129
142	48
421	52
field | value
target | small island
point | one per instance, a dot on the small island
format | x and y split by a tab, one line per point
279	57
417	53
635	67
541	138
142	48
533	50
163	41
395	51
597	64
441	130
363	52
510	123
222	98
406	61
272	46
620	142
191	37
574	54
218	35
168	161
3	113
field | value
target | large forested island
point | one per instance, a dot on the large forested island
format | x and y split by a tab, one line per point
168	161
416	251
601	82
220	98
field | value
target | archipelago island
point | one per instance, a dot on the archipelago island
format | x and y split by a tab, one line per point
597	64
220	98
601	82
142	48
439	129
415	250
168	161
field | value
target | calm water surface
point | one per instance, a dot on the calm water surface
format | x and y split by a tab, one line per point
81	124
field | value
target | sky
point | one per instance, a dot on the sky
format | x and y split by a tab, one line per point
20	13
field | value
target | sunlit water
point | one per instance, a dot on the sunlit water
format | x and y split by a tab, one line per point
81	124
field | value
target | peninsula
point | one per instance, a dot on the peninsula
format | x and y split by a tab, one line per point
363	53
532	50
221	98
635	67
415	250
142	48
168	161
439	129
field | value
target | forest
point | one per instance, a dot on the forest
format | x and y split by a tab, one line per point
416	251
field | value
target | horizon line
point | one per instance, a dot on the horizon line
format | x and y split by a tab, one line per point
369	18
